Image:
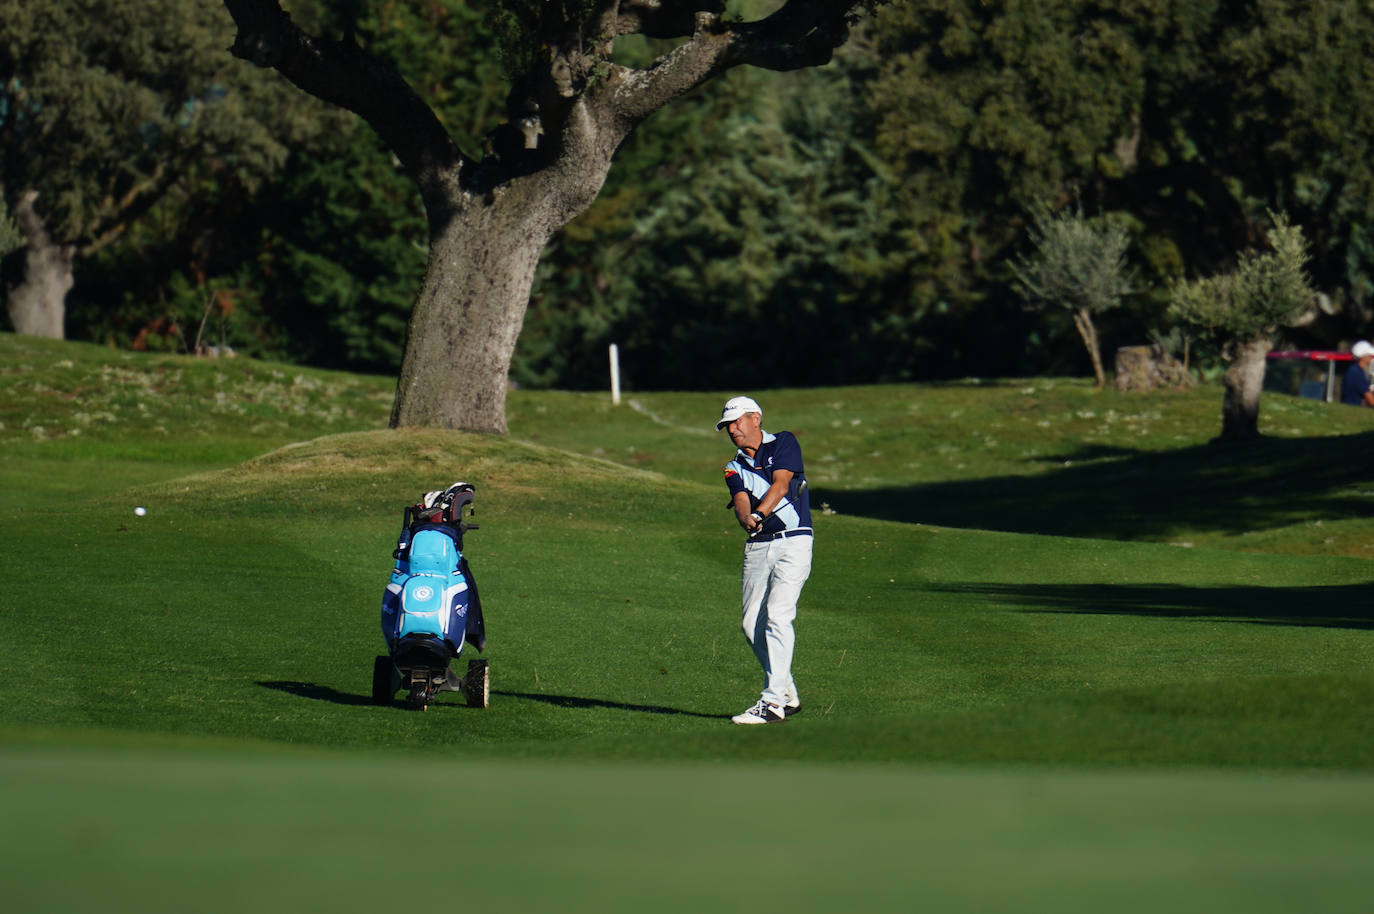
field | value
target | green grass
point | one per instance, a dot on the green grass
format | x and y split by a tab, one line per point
1036	456
1073	690
153	832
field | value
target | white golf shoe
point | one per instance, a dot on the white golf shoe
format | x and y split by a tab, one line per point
761	713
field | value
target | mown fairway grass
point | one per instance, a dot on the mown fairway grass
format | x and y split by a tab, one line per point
996	719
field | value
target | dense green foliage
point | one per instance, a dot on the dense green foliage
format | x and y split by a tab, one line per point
320	264
852	224
1188	120
723	261
930	143
136	131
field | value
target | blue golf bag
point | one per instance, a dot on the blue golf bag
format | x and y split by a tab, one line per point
430	609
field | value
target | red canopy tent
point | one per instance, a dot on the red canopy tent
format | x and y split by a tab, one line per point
1330	357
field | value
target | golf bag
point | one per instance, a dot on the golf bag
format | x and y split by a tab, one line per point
431	608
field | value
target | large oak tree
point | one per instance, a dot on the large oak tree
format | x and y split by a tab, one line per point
570	106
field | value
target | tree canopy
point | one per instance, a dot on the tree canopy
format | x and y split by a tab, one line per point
108	108
875	206
1268	289
1191	121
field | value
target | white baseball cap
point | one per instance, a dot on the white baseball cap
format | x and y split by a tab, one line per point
736	407
1359	350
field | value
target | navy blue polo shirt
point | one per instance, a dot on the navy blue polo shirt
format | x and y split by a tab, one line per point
777	452
1354	386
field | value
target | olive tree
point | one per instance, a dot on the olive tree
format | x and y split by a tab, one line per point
571	103
1243	310
1077	264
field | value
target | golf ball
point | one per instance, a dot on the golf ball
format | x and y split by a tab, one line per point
140	511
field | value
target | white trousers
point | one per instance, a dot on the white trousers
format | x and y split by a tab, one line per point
774	573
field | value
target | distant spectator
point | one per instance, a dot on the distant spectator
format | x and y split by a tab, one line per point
1356	391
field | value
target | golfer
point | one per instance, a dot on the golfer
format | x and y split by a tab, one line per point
1355	388
767	484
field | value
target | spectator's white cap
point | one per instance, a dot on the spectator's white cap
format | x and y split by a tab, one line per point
1361	349
736	407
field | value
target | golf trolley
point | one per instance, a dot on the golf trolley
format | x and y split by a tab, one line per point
430	608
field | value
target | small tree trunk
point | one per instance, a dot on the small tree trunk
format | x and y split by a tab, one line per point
38	305
1083	320
1244	380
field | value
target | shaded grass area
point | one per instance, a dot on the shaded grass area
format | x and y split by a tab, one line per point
1040	456
1295	495
1336	606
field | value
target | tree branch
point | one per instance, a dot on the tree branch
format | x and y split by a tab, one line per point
31	225
133	204
801	33
660	18
344	74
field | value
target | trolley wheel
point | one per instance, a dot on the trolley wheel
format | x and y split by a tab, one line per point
477	684
384	681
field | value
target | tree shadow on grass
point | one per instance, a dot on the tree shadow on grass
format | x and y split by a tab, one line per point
1344	606
1115	493
1085	453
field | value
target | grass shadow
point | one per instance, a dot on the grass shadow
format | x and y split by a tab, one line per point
317	692
1344	606
1086	453
569	701
1115	493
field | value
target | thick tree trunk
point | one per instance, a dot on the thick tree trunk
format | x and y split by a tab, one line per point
1244	380
567	113
467	318
38	305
